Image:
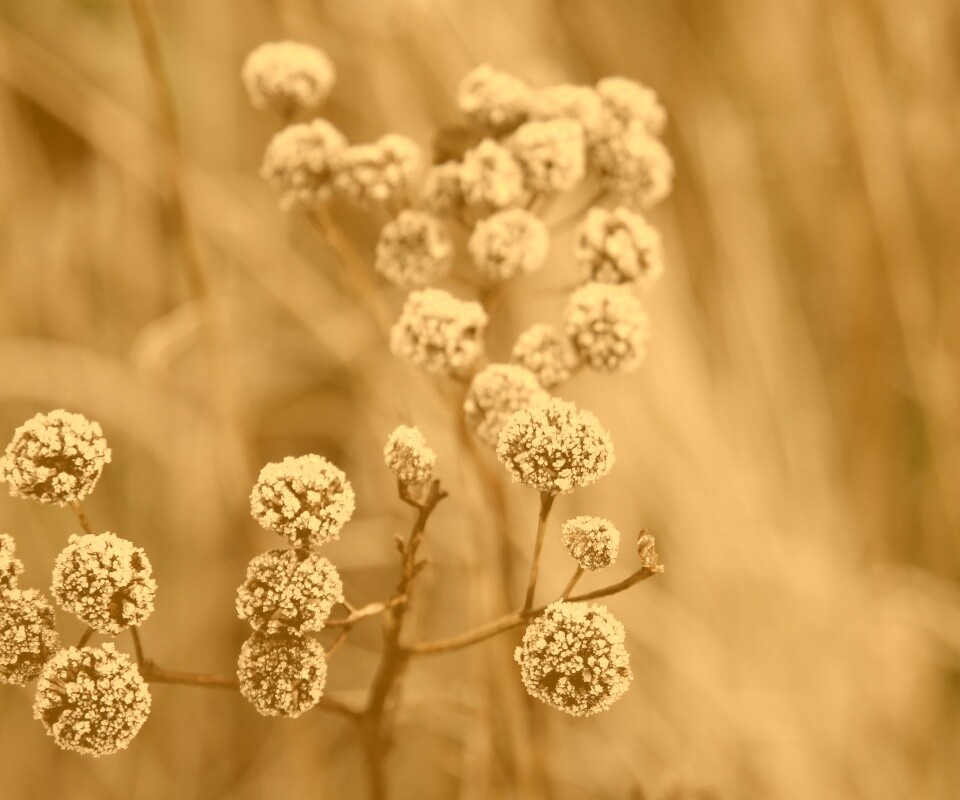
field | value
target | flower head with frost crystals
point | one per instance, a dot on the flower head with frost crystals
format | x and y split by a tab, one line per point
494	99
92	700
627	102
491	178
11	567
408	456
555	447
289	590
619	246
495	393
635	167
55	458
439	333
608	327
592	541
104	580
551	153
573	658
440	191
566	101
305	499
414	249
28	637
508	243
288	76
282	674
298	163
547	353
380	173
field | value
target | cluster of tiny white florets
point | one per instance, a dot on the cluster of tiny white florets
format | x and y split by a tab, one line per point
547	353
491	98
288	76
567	101
619	246
378	173
608	327
299	160
408	456
491	178
440	190
626	102
305	499
573	658
495	393
282	674
414	249
28	637
508	243
55	458
11	567
555	447
92	700
635	167
592	541
551	154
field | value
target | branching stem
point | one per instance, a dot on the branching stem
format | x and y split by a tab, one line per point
546	503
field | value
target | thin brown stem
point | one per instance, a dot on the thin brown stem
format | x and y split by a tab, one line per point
571	583
546	503
337	643
138	645
369	610
154	674
85	637
81	516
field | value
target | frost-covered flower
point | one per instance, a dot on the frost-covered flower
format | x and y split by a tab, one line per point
408	456
495	393
282	674
305	499
414	249
508	243
28	637
635	167
289	589
104	580
288	76
440	191
55	458
92	700
378	173
592	541
619	246
547	353
551	153
626	102
11	567
573	658
608	327
298	162
555	447
491	178
566	101
439	333
491	98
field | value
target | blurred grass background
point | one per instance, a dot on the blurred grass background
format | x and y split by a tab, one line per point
792	440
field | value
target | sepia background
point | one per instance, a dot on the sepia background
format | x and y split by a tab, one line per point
793	440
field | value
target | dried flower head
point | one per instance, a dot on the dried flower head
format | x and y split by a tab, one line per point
440	191
414	249
551	153
104	580
282	674
635	167
55	458
298	162
377	174
508	243
647	550
566	101
619	246
439	333
494	99
491	178
573	658
288	76
92	700
627	102
608	326
28	637
495	393
305	499
289	590
592	541
555	447
547	353
407	455
11	567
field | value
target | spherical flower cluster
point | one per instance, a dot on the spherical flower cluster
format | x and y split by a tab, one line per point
407	456
555	447
378	173
55	458
551	153
414	249
92	700
566	101
439	333
298	162
626	102
11	567
508	243
289	589
104	580
287	76
573	658
282	674
440	191
495	393
544	351
491	98
592	541
608	327
491	178
635	167
27	635
618	246
305	499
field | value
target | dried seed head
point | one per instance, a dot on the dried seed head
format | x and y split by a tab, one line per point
592	541
414	249
407	455
551	153
282	674
494	99
555	447
647	550
55	458
608	327
298	163
547	353
491	178
566	101
635	167
11	567
28	637
92	700
287	76
619	246
626	102
380	173
508	243
573	658
305	499
440	192
495	393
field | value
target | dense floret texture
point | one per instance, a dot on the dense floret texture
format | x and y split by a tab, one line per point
282	674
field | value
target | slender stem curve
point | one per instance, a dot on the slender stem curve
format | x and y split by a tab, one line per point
546	503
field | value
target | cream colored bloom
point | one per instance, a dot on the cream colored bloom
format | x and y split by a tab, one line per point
298	163
380	173
619	246
288	76
495	393
282	674
440	191
494	99
11	567
407	455
627	102
608	327
635	167
551	154
547	353
508	243
592	541
566	101
414	249
28	636
491	179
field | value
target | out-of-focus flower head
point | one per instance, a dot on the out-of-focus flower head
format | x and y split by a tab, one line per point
619	246
608	327
408	456
547	353
288	76
508	243
495	393
494	99
298	163
380	173
414	249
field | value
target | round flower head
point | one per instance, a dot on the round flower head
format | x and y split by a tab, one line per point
508	243
282	674
305	499
491	178
407	455
289	590
626	102
555	447
494	99
495	393
298	161
92	700
566	101
440	192
592	541
619	247
376	174
608	327
551	153
414	249
104	580
635	167
439	333
544	351
11	567
55	458
27	635
573	658
287	76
